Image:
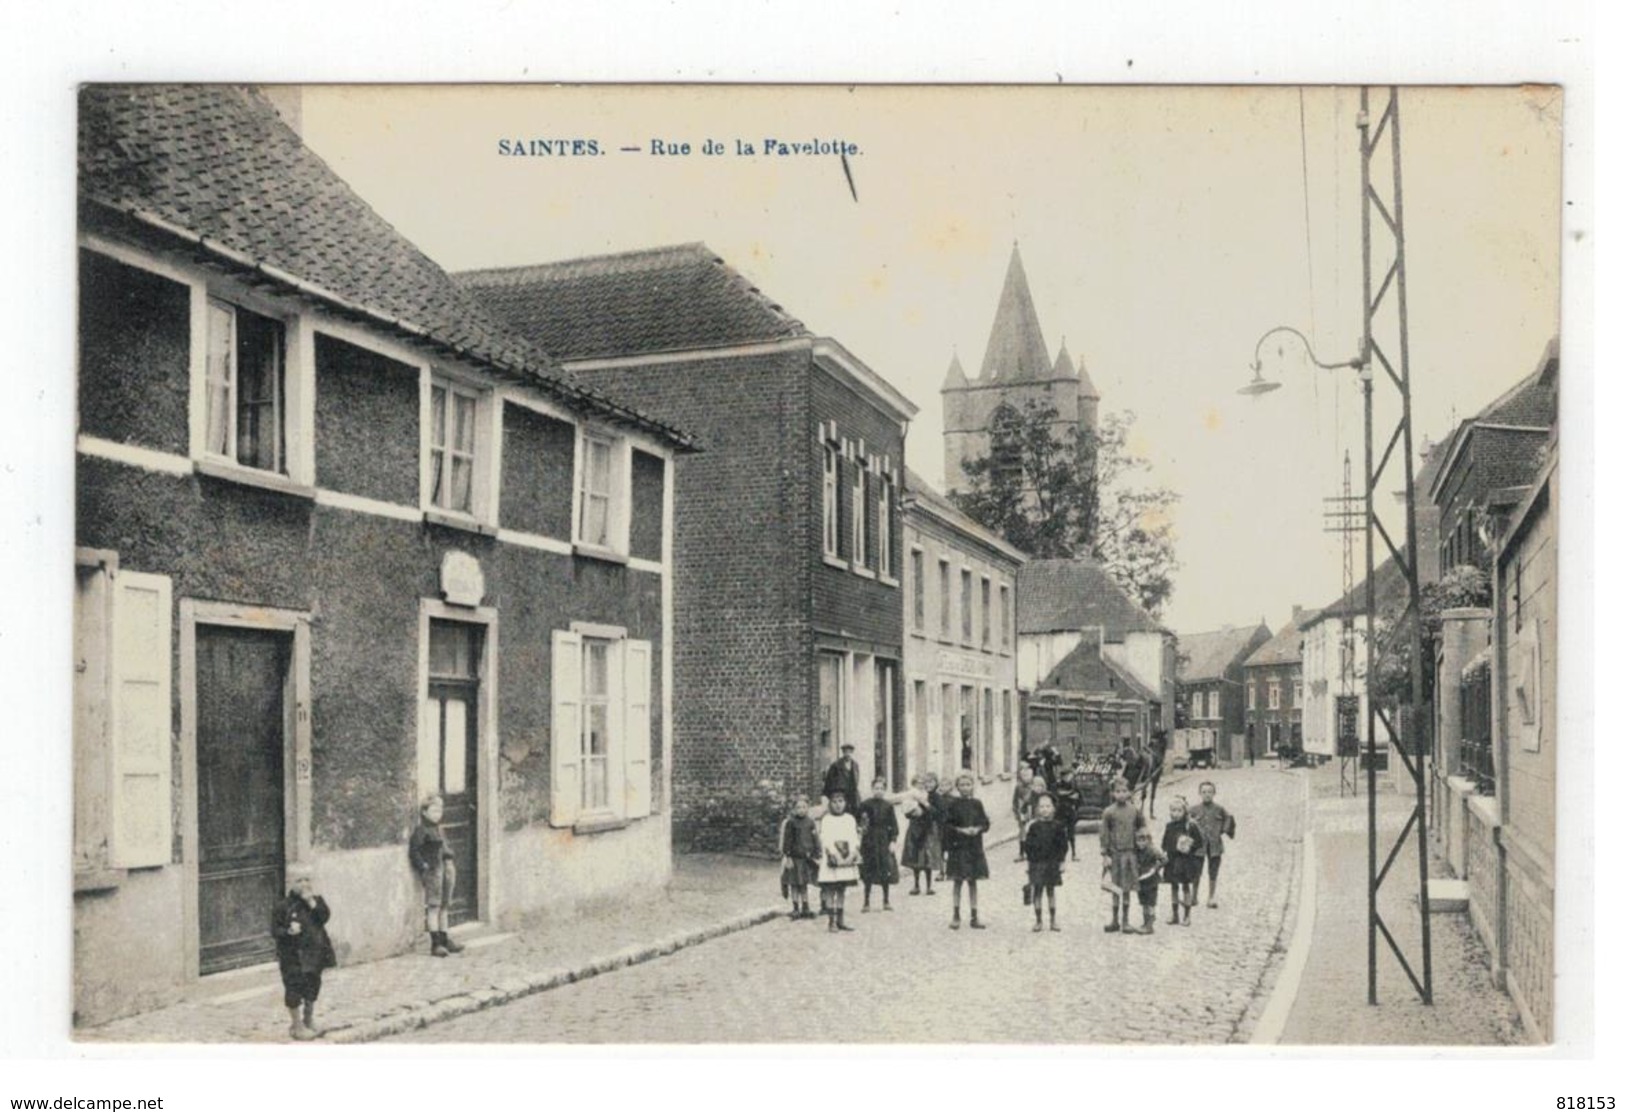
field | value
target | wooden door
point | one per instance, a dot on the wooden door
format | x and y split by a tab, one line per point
242	723
453	752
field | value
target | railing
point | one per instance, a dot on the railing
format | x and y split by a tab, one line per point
1476	751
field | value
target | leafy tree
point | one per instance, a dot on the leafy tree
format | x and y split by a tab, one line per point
1060	490
1462	586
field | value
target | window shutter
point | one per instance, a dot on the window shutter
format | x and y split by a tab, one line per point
615	766
566	730
639	658
141	720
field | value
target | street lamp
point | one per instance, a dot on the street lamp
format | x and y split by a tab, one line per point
1390	211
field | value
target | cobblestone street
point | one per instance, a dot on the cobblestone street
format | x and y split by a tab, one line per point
905	977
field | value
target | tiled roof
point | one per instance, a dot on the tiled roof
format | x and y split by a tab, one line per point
1286	647
1205	656
1015	347
677	298
943	507
1070	594
216	168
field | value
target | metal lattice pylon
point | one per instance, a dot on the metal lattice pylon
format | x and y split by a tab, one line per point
1387	346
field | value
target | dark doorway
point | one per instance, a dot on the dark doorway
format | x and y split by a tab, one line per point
453	719
242	727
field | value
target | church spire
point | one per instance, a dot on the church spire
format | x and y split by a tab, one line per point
1015	348
956	375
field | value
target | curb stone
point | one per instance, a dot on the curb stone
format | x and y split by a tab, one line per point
410	1017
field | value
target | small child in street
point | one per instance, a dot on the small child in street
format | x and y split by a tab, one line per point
1025	814
964	822
838	837
1021	803
303	950
1068	797
877	819
1119	823
436	869
798	847
1045	844
1182	843
1148	861
1216	824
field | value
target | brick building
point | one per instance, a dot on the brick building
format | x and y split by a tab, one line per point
1486	465
959	660
1016	370
1211	690
1272	681
343	542
788	635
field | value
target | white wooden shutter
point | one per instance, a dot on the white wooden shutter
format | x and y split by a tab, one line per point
566	729
639	660
141	720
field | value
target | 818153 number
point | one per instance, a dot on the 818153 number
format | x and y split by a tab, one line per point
1585	1104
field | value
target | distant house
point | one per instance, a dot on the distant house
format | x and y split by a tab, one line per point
1070	615
788	634
959	587
1272	680
343	542
1334	663
1211	690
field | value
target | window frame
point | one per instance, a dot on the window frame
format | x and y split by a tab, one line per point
1275	694
453	391
619	498
1007	617
916	572
945	592
629	743
967	606
883	532
987	612
832	501
860	517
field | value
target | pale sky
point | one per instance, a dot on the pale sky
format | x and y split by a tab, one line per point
1163	232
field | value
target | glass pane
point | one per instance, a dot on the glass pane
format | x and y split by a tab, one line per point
437	478
429	747
597	671
597	730
462	485
465	423
595	530
259	390
437	416
221	353
598	467
595	784
452	650
456	742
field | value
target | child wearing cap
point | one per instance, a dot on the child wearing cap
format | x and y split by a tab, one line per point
303	950
436	869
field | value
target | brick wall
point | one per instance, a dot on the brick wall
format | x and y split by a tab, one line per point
1529	945
1483	881
744	546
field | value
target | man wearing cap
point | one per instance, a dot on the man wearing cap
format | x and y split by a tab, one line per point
842	776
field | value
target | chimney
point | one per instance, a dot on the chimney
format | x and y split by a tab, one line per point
1296	611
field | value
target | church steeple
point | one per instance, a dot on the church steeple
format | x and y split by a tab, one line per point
956	375
1016	351
1063	363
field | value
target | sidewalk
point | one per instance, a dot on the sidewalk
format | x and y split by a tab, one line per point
1328	1006
710	895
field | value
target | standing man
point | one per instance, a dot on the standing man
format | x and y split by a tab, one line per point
1156	759
1130	765
842	776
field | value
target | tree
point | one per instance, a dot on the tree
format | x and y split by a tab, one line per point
1464	585
1060	490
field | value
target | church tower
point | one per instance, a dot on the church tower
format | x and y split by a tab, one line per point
1016	369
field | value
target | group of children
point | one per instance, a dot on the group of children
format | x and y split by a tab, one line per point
1133	867
835	849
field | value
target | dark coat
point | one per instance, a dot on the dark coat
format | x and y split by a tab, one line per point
1186	867
1046	848
967	860
842	776
310	950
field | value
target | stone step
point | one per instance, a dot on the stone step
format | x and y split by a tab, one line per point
1447	895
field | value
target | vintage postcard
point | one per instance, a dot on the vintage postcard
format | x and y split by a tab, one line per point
817	564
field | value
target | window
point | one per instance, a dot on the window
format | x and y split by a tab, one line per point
916	571
597	493
1517	595
1009	731
831	686
601	737
244	396
1275	694
945	599
1252	697
1297	693
987	612
452	417
832	502
860	517
883	527
1006	614
967	607
1215	704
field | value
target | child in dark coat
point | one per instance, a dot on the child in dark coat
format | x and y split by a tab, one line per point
877	864
1183	845
922	844
963	824
798	846
436	869
1045	845
303	950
